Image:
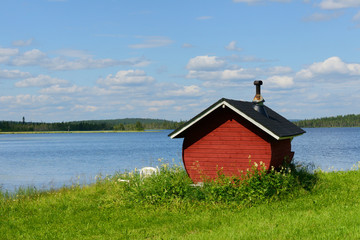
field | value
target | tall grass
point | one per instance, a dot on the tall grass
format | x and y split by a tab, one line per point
289	203
256	185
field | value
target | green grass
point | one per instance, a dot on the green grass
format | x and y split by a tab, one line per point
286	205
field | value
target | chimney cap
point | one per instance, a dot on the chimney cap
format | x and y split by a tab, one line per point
258	98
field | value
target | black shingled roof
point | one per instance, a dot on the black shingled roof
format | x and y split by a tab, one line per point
276	125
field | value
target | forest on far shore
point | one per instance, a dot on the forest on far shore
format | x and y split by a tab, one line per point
141	124
126	124
351	120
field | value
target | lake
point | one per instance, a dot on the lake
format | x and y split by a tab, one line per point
52	160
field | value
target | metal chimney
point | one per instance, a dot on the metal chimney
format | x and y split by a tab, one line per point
258	101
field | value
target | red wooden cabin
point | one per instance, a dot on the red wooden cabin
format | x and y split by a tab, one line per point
229	133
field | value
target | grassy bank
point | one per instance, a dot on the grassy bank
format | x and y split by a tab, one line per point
291	204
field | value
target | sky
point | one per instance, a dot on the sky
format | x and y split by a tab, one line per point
70	60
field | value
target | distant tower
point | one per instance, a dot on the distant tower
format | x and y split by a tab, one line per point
23	120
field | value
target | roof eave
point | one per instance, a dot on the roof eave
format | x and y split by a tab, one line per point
290	137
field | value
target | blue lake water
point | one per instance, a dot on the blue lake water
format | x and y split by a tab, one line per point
52	160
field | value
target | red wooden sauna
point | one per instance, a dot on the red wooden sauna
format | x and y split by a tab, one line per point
229	133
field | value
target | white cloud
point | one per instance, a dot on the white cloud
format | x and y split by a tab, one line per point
205	63
304	74
22	43
84	63
84	108
32	57
191	90
7	53
280	81
90	63
136	62
230	74
337	4
212	68
277	70
13	74
82	60
57	89
152	42
6	99
232	46
227	74
158	103
129	77
25	99
153	109
155	105
127	107
333	65
40	81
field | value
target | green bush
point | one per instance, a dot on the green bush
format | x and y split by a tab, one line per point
258	184
172	184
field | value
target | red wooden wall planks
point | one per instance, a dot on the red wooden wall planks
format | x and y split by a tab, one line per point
225	141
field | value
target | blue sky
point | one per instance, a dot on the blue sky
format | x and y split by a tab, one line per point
81	60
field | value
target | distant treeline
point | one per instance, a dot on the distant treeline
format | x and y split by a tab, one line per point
351	120
127	124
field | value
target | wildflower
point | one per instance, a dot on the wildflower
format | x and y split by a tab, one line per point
255	164
122	180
